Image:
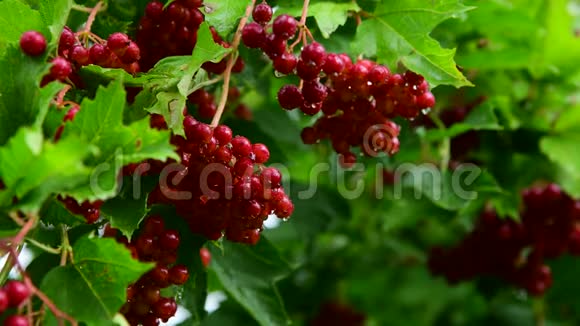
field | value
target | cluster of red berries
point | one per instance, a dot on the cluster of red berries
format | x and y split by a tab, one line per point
336	313
358	99
221	186
91	211
13	295
173	31
515	252
118	51
145	305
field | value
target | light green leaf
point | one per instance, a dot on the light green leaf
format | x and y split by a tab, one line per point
94	287
32	168
54	14
562	149
399	30
328	15
173	78
100	124
16	18
224	14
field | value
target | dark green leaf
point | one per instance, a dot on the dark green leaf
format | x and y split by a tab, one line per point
399	30
94	287
249	274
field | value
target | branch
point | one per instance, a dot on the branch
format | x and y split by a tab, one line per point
230	65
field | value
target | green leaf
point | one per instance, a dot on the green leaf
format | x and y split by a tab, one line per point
481	118
562	149
128	209
32	169
399	30
100	124
16	18
249	274
224	14
93	287
54	14
54	212
173	78
558	47
22	102
328	15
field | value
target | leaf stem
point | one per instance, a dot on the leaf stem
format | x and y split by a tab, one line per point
92	16
65	246
230	65
445	145
44	247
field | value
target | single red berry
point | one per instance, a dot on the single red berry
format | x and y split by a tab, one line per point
60	69
284	207
426	100
223	134
205	256
261	153
118	43
314	91
4	300
271	178
253	35
16	320
285	26
132	53
262	13
290	97
241	146
154	9
150	294
169	240
285	63
315	53
165	308
17	292
199	133
178	274
333	64
80	55
66	40
33	43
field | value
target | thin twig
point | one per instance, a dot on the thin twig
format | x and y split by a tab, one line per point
230	65
92	17
46	300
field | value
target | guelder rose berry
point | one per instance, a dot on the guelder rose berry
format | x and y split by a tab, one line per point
33	43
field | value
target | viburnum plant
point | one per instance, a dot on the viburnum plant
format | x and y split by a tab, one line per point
224	162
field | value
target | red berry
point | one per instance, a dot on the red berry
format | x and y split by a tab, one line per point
132	53
33	43
80	55
314	52
118	43
223	134
66	40
262	13
290	97
17	292
4	300
285	26
285	63
333	64
199	133
271	177
154	9
426	100
178	274
309	136
314	91
169	240
284	207
241	146
165	308
253	35
16	320
205	256
60	68
261	153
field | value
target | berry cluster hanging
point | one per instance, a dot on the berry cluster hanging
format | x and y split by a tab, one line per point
515	252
